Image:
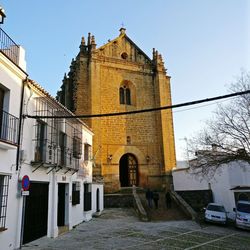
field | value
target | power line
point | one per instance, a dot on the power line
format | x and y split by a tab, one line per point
202	106
142	110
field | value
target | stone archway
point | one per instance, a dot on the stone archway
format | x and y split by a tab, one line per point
128	171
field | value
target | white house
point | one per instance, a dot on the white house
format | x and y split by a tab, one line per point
56	155
50	157
229	183
12	75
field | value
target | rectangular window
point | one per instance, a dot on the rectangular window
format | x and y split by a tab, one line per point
77	148
87	197
4	186
122	97
40	153
62	145
87	152
75	193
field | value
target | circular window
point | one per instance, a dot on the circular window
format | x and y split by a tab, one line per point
124	55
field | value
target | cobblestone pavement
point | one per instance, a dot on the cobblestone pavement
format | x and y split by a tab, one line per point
120	229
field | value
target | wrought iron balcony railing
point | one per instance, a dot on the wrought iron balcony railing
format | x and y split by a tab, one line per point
8	127
9	47
49	154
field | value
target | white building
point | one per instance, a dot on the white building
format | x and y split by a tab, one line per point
229	183
54	153
12	75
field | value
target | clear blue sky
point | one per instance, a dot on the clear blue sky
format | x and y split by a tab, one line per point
204	44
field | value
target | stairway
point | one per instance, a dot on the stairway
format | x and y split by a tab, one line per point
162	213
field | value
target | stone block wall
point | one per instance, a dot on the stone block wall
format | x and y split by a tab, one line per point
118	200
197	199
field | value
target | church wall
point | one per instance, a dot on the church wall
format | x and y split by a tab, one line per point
111	132
98	75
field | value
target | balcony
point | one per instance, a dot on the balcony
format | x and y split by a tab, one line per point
8	47
47	155
8	128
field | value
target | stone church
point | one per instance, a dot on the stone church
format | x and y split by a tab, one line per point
134	149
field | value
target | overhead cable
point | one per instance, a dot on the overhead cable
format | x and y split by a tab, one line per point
142	110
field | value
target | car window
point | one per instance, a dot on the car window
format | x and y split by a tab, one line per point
216	208
245	208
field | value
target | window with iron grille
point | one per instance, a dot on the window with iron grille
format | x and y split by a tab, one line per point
41	132
4	186
87	197
77	147
75	193
63	148
87	152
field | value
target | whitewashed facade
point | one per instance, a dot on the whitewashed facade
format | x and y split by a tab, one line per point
12	75
54	153
229	183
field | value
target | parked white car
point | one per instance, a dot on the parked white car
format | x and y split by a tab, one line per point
216	213
242	211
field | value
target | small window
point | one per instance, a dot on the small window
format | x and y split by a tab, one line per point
41	131
87	197
4	186
128	140
63	148
87	152
75	193
124	55
125	95
77	148
128	99
122	97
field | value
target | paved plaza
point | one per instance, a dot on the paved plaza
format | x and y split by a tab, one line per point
120	229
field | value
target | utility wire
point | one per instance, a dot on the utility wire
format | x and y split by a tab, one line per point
202	106
142	110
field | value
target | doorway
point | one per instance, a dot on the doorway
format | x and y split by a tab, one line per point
36	212
97	200
61	205
128	167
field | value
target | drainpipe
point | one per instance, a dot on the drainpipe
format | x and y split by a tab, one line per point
20	124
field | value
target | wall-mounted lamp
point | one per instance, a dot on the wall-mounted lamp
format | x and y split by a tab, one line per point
2	15
147	158
110	158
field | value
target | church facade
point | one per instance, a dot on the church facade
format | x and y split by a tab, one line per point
135	149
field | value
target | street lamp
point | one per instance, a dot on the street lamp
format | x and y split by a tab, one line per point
2	15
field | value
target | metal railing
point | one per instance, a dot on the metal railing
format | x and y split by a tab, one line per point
9	47
47	153
8	127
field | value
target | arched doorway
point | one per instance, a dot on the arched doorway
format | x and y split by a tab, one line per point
128	167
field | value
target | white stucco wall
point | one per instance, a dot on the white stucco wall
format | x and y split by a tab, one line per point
11	78
96	186
225	178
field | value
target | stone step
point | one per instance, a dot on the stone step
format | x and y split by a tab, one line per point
163	213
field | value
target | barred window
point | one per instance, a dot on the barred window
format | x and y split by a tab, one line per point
87	152
4	186
41	131
87	197
75	193
77	148
63	148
